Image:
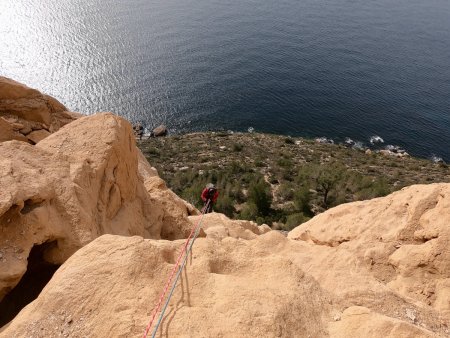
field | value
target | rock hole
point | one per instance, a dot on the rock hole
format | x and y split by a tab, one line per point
168	256
11	214
30	205
38	274
220	266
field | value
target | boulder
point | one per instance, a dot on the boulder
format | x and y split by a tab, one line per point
160	131
219	226
38	135
7	132
174	211
30	109
138	130
79	183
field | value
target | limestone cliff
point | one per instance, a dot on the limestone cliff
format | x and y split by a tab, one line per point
86	198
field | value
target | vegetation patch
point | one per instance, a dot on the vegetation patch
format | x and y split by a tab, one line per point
277	180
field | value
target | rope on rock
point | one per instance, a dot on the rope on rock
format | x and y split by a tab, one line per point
177	268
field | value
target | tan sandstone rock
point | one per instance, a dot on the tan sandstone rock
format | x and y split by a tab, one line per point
399	245
174	211
365	269
219	226
75	185
234	288
7	132
38	135
358	321
231	288
27	109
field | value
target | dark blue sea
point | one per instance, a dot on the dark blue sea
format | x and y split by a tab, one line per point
333	68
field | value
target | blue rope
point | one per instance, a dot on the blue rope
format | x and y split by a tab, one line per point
197	231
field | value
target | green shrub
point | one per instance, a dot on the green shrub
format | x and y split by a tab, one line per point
260	220
152	151
249	211
192	194
288	175
302	198
237	147
236	168
285	192
285	162
259	194
295	220
225	205
259	163
289	140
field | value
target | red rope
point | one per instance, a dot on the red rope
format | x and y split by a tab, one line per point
169	281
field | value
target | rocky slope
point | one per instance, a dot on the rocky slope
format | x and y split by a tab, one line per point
299	173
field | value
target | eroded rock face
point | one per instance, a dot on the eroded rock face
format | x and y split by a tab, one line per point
358	321
174	211
347	277
8	133
75	185
399	244
219	226
31	115
232	287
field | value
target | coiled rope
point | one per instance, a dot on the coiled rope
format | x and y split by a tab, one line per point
178	269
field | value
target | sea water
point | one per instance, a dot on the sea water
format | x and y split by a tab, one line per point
318	68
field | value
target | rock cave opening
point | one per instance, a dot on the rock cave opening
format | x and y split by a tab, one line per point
38	274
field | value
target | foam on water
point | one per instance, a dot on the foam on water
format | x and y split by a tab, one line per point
436	159
376	139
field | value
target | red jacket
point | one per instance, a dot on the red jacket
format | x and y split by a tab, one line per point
205	195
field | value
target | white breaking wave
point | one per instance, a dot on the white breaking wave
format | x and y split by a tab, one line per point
324	140
436	159
376	139
358	145
349	141
395	149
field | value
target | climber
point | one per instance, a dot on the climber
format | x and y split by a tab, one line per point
138	130
209	196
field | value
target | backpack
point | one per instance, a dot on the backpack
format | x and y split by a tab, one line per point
211	193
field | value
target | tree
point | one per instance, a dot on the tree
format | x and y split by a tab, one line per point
327	178
261	196
295	220
249	212
225	205
301	201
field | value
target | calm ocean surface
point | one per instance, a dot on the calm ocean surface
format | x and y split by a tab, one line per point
334	68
